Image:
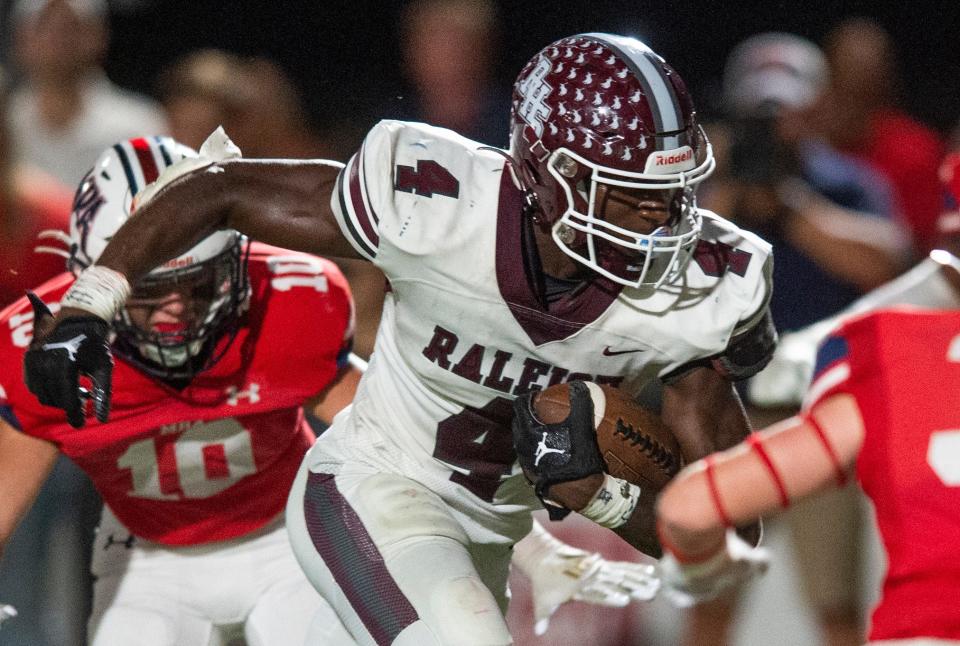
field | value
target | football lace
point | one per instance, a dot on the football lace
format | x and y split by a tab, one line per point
659	455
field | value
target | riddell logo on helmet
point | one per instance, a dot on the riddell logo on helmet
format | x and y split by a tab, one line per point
671	161
663	159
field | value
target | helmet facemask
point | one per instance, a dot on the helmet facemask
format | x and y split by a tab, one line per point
210	296
628	257
598	111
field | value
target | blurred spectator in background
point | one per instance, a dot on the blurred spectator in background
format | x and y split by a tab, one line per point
827	216
447	48
833	226
44	552
30	202
66	110
202	90
866	122
253	98
276	123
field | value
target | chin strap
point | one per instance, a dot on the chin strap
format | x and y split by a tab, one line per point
531	204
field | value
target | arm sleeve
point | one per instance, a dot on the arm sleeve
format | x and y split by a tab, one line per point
750	349
752	342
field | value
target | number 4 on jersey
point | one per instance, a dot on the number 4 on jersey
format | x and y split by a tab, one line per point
428	179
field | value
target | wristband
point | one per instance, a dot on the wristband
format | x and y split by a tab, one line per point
613	504
98	290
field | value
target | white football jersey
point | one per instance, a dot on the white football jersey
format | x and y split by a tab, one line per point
463	332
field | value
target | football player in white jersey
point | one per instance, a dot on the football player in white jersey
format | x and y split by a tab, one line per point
577	255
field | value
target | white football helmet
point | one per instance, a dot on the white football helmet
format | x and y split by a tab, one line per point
213	272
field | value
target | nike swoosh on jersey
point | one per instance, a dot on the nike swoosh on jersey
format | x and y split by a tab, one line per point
607	352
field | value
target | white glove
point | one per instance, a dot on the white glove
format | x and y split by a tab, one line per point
217	148
560	573
574	574
686	585
6	612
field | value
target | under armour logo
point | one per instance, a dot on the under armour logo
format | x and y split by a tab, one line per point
543	449
70	346
234	394
127	542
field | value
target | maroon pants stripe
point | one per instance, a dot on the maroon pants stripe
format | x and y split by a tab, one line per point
348	551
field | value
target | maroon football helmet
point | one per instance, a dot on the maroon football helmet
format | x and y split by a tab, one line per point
599	109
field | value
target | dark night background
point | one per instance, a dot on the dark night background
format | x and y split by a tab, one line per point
345	56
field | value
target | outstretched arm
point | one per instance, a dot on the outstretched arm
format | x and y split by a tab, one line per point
781	464
284	203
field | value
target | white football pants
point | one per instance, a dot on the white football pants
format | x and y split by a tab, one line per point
251	588
395	561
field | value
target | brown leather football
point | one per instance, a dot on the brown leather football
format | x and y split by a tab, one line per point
635	443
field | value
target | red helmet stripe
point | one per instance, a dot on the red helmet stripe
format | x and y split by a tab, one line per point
145	156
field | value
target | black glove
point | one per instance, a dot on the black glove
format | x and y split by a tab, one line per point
552	453
53	365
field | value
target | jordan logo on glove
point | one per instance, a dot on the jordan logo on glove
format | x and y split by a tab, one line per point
70	346
543	449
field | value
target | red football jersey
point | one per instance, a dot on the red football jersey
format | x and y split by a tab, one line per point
903	367
215	460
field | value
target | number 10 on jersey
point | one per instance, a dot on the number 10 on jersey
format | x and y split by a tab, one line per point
199	462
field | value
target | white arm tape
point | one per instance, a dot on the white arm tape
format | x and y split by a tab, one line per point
98	290
217	148
613	504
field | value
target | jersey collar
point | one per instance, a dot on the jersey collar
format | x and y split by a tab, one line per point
519	278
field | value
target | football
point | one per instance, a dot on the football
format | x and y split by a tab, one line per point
635	443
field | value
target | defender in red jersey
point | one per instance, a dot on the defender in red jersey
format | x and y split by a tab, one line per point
883	402
219	351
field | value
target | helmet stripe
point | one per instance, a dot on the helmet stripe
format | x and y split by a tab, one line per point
648	68
127	169
161	144
145	156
